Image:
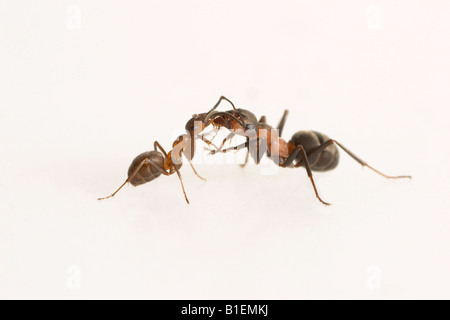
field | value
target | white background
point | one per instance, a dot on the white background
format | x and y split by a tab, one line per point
88	85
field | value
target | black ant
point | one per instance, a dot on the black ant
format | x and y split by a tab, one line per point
311	149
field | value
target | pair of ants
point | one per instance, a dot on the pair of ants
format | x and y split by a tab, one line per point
310	149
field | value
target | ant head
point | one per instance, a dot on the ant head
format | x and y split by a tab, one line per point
195	125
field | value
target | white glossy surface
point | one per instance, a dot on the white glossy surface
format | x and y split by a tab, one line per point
77	105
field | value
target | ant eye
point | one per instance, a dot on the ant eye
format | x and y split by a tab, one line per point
249	126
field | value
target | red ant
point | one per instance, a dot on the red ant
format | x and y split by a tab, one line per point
151	164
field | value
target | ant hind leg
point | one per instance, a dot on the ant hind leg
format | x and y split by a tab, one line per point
294	154
324	145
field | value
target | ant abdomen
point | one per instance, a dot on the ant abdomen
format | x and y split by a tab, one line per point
147	171
326	160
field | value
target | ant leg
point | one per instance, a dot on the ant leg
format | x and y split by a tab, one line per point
192	166
261	148
157	145
290	159
208	142
238	147
246	156
214	131
282	122
227	138
112	195
189	158
231	135
256	151
361	162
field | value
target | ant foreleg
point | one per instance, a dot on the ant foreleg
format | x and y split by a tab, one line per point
257	151
229	137
157	145
236	148
214	131
246	156
208	142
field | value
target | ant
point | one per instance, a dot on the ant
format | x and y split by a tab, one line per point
150	165
311	149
